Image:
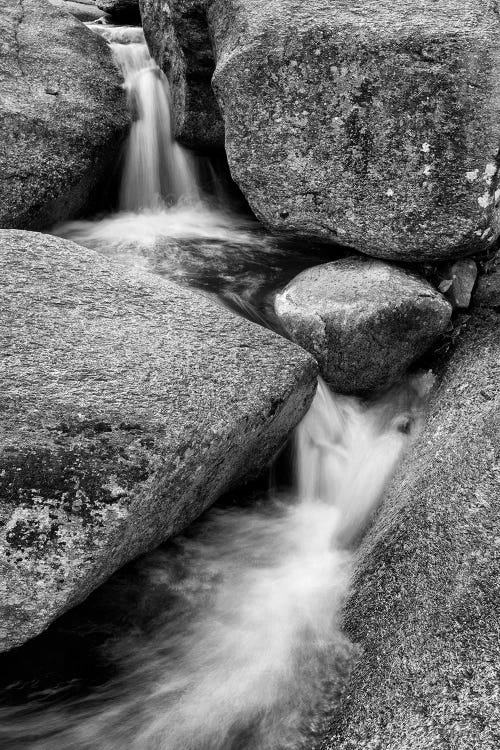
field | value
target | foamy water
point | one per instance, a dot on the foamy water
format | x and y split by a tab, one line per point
242	661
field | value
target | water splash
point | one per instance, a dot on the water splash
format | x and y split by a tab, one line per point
240	658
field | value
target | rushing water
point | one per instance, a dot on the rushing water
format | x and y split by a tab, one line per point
245	651
228	637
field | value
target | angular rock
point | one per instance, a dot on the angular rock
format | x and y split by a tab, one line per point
374	125
128	406
458	283
178	37
364	321
424	606
63	114
121	11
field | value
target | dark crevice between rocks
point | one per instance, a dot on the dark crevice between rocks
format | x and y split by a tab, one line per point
181	44
125	13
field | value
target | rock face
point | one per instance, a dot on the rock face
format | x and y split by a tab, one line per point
365	322
85	10
458	283
128	406
178	37
487	292
375	125
63	114
425	596
121	11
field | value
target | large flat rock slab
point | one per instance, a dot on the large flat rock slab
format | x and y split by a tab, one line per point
373	124
426	591
128	406
63	115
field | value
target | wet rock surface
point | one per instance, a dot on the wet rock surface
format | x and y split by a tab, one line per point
458	283
128	406
63	115
364	321
178	37
425	597
374	125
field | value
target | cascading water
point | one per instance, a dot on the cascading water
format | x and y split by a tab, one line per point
157	170
242	656
243	650
175	216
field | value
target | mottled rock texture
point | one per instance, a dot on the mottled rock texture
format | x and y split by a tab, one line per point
364	321
128	406
63	114
85	10
178	37
374	124
121	11
425	596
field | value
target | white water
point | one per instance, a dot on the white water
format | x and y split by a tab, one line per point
248	667
175	216
157	171
247	652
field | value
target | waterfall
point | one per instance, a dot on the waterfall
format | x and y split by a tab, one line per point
240	658
157	172
176	216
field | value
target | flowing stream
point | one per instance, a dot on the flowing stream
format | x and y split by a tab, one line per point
178	215
229	636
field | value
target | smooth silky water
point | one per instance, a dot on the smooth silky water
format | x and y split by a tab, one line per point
178	214
228	637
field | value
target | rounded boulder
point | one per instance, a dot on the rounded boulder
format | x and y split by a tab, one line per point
365	322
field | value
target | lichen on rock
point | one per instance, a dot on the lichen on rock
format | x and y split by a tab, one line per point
364	125
178	37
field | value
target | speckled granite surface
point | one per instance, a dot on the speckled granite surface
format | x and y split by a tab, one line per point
425	599
128	406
